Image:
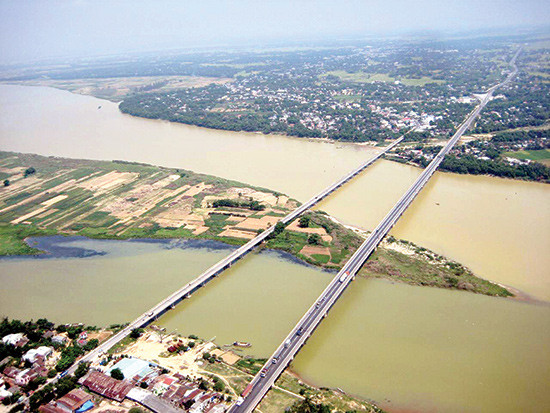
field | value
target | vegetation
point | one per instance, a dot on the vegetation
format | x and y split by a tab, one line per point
29	171
305	242
40	333
307	406
488	155
251	204
52	391
12	239
136	333
288	389
68	357
304	221
117	374
471	165
426	268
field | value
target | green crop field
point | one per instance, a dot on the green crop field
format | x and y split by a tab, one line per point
542	155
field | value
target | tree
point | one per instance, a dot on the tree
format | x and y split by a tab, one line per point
6	182
74	331
219	386
81	370
65	385
304	221
279	228
90	345
307	406
203	385
136	333
117	374
29	171
314	239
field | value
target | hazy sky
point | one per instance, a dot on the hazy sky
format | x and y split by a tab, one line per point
38	29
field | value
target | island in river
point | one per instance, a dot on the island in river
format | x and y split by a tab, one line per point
123	200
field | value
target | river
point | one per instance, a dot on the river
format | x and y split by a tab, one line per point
418	347
499	228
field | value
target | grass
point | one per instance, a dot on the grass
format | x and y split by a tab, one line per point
288	241
250	365
542	44
363	77
121	345
215	223
287	389
426	268
12	239
541	155
360	77
322	258
67	217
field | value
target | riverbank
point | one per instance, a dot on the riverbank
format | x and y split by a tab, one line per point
121	201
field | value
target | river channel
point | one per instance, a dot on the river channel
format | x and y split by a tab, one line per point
407	347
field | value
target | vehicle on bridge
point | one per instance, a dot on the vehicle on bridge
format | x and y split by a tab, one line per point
344	276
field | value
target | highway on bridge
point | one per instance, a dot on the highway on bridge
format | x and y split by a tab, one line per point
169	302
286	352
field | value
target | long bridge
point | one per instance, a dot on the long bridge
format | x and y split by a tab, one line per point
169	302
288	349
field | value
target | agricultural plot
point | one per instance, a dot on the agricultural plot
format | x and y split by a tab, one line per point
129	200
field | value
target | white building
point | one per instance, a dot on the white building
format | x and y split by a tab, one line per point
33	354
59	339
12	339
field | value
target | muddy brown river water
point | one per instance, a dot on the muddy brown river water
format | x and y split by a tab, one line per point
419	348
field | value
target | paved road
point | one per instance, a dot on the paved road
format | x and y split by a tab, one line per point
286	352
170	301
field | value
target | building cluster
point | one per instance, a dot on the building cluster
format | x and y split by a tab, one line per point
37	362
153	387
76	401
327	93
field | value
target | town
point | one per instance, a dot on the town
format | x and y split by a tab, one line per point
152	370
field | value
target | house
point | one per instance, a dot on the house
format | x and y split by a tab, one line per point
24	377
134	368
200	403
50	408
106	386
59	339
215	408
11	372
4	394
32	355
192	395
82	342
48	334
163	385
14	339
73	401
